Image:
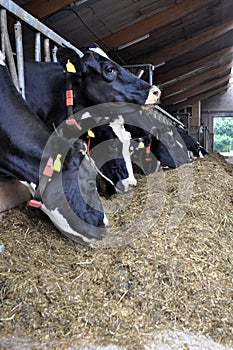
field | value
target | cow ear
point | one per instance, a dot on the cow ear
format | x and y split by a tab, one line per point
69	59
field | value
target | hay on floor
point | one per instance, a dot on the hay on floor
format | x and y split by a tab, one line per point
165	263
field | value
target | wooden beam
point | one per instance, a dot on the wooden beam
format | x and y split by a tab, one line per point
173	51
192	66
200	97
45	8
196	79
196	91
154	22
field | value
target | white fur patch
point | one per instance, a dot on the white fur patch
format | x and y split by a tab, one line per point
2	59
61	223
85	115
154	95
99	51
124	136
31	187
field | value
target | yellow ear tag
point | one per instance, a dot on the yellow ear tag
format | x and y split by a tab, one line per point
90	133
57	163
171	132
141	145
131	148
70	68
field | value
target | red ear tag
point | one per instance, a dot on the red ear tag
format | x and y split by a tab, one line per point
148	158
69	97
48	170
73	122
88	145
33	203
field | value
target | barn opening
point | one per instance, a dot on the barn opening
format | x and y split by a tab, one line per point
223	134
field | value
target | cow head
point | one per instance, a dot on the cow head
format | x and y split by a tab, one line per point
110	150
99	79
70	198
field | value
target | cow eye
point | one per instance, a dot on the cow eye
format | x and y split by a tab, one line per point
109	69
109	72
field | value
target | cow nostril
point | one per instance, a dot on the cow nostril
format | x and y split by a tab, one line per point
156	93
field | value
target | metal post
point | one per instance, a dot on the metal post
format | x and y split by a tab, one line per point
151	69
19	57
54	53
38	47
47	56
37	25
8	49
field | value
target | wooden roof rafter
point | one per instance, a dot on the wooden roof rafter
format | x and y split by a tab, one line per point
196	90
196	79
200	97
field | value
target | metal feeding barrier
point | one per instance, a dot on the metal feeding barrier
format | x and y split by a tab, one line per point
147	70
42	32
39	28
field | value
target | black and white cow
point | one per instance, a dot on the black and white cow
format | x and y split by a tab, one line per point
108	144
58	170
94	78
166	145
193	146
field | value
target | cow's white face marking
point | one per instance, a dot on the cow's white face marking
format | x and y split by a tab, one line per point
100	52
61	223
2	59
154	95
124	136
180	144
85	115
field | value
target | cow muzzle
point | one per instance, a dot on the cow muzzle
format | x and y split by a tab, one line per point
153	96
125	185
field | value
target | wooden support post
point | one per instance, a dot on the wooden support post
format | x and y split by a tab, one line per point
196	114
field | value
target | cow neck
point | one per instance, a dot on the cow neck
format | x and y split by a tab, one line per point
22	134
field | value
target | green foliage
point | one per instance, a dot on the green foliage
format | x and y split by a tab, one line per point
223	134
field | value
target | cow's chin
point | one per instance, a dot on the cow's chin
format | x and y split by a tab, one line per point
153	96
125	185
86	232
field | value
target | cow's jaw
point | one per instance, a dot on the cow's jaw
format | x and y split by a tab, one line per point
124	136
62	224
2	59
153	96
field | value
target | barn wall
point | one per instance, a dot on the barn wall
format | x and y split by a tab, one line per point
220	105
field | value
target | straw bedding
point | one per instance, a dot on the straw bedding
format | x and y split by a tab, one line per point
166	263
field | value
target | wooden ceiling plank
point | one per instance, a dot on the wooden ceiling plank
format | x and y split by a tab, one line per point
200	97
196	79
45	8
179	71
154	22
187	45
196	91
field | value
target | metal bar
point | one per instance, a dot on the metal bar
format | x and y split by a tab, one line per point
151	69
47	56
37	47
3	48
168	115
40	27
19	56
8	49
54	53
